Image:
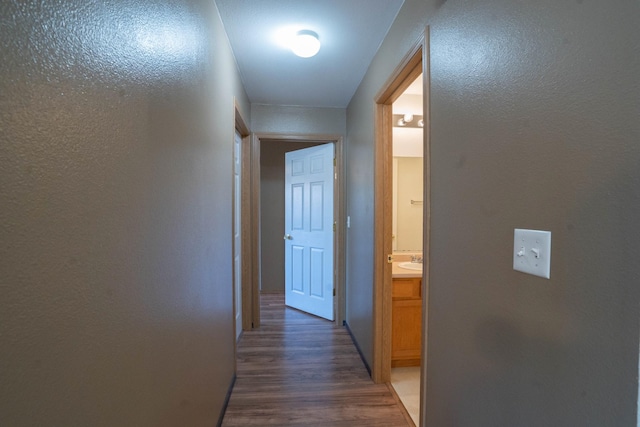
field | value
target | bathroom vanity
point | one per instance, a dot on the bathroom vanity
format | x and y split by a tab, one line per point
406	314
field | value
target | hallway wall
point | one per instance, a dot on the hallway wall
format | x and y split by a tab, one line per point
284	119
534	124
116	130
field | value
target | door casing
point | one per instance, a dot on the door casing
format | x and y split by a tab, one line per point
252	204
237	233
241	127
416	61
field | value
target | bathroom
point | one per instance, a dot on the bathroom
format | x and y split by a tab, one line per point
407	244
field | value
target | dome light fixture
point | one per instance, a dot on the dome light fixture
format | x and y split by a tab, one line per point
306	44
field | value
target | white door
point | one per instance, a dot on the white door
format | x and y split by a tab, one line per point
237	226
309	182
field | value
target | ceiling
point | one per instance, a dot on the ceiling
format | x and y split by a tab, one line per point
350	32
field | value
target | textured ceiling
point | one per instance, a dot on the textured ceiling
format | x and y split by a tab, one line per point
350	32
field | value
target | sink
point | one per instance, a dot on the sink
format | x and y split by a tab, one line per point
410	265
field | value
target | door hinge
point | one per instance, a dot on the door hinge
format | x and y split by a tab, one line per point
334	292
390	259
334	226
334	162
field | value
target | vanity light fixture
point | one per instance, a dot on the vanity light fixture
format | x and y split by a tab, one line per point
305	44
408	120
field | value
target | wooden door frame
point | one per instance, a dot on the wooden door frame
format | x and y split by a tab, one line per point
245	217
416	61
252	168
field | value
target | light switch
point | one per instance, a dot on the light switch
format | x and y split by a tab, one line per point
532	252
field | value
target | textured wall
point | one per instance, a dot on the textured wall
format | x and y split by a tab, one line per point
297	120
116	125
535	123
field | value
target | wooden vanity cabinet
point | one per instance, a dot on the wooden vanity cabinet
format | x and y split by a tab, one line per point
406	321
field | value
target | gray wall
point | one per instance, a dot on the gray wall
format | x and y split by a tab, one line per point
272	212
298	120
116	130
535	124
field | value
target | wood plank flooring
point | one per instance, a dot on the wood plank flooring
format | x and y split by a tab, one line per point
300	370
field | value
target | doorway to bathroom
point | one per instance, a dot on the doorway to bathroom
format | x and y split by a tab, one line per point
407	246
400	280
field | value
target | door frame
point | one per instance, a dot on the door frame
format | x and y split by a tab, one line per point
241	127
416	61
252	169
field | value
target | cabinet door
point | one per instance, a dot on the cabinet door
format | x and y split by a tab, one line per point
406	289
406	328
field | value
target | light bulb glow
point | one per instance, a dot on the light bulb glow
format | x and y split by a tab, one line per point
306	44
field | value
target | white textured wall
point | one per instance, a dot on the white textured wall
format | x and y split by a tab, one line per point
116	126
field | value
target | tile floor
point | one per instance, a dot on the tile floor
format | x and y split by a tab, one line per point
406	382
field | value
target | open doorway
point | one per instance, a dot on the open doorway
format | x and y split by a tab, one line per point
407	245
309	228
412	292
241	229
268	219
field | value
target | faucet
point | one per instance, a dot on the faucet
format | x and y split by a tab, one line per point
416	258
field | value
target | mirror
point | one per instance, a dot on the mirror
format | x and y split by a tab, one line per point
408	177
408	185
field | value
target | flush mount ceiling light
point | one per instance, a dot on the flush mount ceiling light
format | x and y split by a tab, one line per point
305	44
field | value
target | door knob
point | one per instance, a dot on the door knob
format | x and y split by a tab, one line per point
288	237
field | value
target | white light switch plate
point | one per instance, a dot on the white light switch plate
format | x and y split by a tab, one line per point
532	252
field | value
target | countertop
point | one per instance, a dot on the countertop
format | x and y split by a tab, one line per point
399	272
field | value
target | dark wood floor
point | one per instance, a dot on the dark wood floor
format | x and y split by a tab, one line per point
299	370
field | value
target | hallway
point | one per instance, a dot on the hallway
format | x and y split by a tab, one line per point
300	370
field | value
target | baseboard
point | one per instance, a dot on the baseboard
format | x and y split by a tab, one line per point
353	339
226	401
